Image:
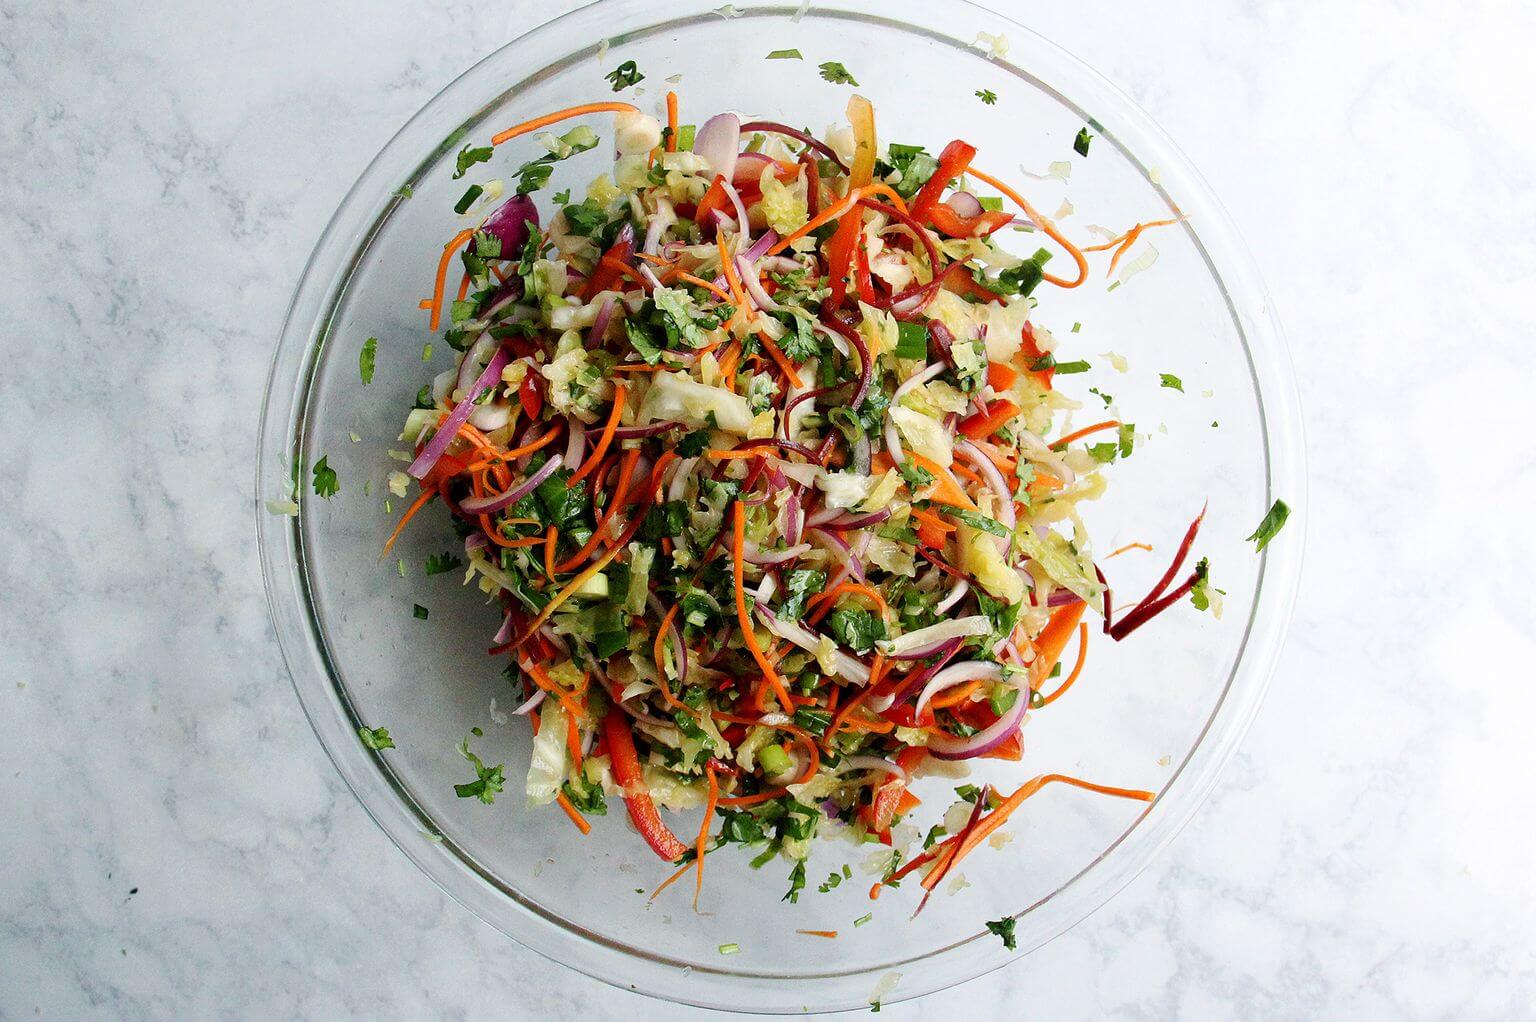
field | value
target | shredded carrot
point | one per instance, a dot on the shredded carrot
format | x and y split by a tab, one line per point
669	881
549	552
457	242
709	816
728	267
943	489
463	287
827	599
827	215
930	519
957	696
829	934
544	681
410	512
728	366
1131	546
1077	669
671	122
783	363
641	367
1122	243
570	810
621	491
603	442
558	116
500	456
1097	427
1045	225
709	286
425	303
580	580
662	633
738	544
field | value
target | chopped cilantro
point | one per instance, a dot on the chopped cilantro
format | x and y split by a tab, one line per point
837	74
469	157
796	884
625	75
694	444
857	629
366	359
326	483
1080	143
439	564
376	738
987	96
1274	521
785	55
1068	368
488	781
830	883
801	584
1004	928
1172	382
419	612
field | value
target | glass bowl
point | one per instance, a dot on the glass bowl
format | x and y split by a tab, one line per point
1162	711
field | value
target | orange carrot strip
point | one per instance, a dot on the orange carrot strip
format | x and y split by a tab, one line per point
603	442
1086	431
829	934
549	552
724	296
410	512
671	122
778	356
560	115
458	241
1131	546
570	810
738	543
1045	225
709	815
1082	658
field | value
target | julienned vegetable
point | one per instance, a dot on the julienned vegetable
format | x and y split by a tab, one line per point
753	447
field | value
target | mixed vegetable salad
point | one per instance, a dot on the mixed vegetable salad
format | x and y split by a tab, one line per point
757	447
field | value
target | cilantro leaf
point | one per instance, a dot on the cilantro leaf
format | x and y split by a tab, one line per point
326	483
1274	521
376	738
439	564
1172	382
694	444
1004	928
366	359
987	96
837	74
469	157
1080	143
857	629
625	75
488	781
801	584
586	219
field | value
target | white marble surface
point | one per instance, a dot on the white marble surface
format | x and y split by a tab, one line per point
166	168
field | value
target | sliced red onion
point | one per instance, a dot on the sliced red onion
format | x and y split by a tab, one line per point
778	263
943	340
794	133
530	704
866	364
767	587
443	384
474	359
504	633
741	211
794	519
476	541
717	143
964	204
495	502
755	250
601	320
1035	450
751	552
959	674
924	642
836	520
955	596
884	766
510	222
754	286
988	471
576	442
983	742
848	668
450	428
892	435
1062	598
649	429
913	683
789	406
840	551
750	167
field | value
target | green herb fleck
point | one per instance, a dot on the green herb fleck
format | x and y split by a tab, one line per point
469	157
441	564
785	55
1172	382
730	949
468	199
987	96
376	738
1004	928
837	74
419	612
866	917
488	781
1068	368
1273	522
1080	143
625	75
326	484
366	359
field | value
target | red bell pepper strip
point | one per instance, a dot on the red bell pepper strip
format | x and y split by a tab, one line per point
1033	354
953	161
713	199
528	394
1000	376
610	269
626	770
862	276
947	221
892	797
981	425
959	280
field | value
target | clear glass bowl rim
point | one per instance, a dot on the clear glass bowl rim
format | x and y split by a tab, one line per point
280	542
